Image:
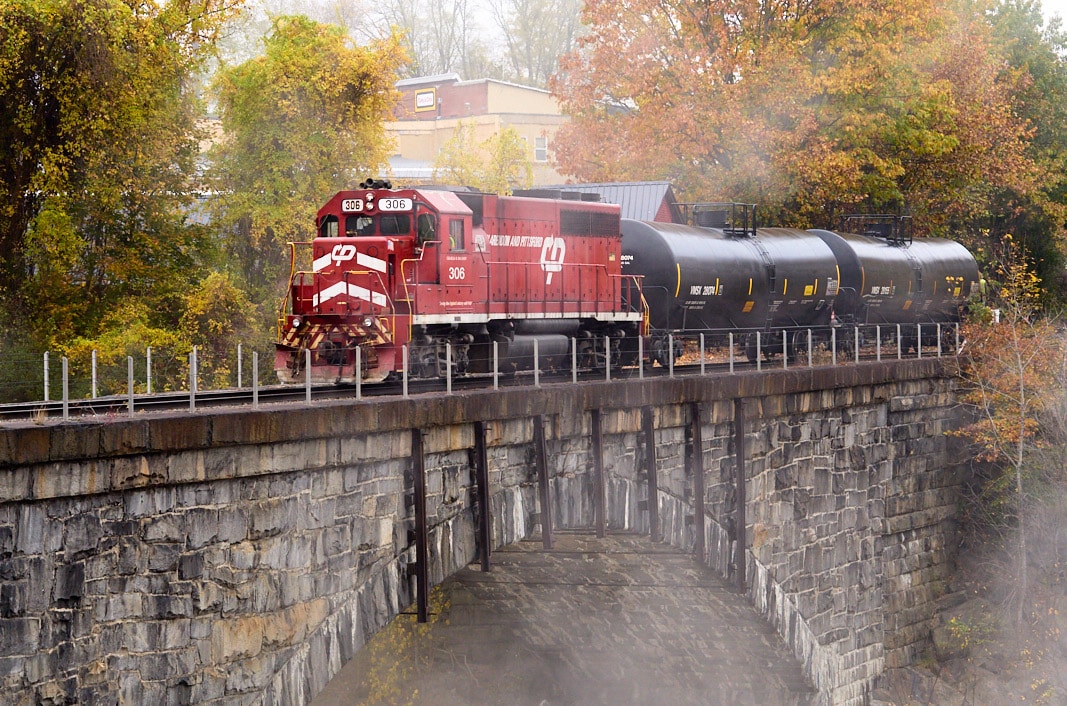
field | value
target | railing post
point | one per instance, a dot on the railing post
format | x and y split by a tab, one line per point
702	372
46	376
878	338
640	357
448	367
359	373
240	361
537	364
129	382
496	365
731	351
66	389
670	354
939	340
148	370
833	345
899	346
785	350
919	340
857	343
255	380
404	363
810	358
93	388
307	376
192	379
607	358
574	359
957	327
759	351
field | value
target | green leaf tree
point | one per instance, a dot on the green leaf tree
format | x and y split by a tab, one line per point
300	122
98	144
496	165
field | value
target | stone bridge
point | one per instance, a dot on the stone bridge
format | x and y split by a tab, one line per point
243	556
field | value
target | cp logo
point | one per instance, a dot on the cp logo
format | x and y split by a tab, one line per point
552	253
342	252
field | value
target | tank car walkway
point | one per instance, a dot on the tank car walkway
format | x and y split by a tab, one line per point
614	621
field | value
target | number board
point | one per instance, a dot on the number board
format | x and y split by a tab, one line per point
351	205
395	205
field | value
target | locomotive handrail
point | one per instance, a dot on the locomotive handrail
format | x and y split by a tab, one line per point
280	320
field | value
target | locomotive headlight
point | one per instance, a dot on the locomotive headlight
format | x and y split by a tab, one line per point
368	321
297	322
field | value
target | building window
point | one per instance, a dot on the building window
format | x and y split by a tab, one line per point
540	149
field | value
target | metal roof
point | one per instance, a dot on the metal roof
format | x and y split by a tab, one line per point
639	200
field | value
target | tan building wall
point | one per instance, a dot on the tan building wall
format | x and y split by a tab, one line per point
430	110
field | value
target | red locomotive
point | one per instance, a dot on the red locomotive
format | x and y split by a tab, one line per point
414	270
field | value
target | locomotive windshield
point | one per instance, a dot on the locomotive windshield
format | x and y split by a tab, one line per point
363	225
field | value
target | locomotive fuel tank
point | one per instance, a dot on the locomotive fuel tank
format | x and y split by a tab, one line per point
901	282
698	279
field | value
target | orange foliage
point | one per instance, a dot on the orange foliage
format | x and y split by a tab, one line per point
1013	374
814	105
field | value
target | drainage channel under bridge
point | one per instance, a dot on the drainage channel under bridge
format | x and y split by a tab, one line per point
617	620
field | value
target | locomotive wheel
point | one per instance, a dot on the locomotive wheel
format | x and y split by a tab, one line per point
659	352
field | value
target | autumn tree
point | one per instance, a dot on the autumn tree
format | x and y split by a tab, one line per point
300	122
1013	380
98	143
497	165
810	109
1034	59
217	317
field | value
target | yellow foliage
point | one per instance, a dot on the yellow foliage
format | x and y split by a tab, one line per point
496	165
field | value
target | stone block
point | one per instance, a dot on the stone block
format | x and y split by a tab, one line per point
165	528
234	638
147	502
163	556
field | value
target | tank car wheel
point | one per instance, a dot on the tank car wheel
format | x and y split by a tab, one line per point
752	352
846	341
798	345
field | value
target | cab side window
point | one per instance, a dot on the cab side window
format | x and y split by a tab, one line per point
427	228
328	229
455	235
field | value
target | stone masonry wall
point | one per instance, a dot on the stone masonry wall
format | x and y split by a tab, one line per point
241	557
